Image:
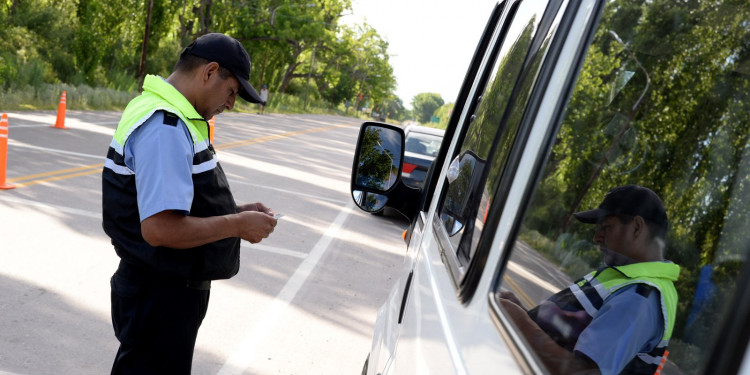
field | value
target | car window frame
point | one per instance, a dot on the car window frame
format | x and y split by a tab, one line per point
523	354
463	106
731	347
466	276
730	352
537	88
485	57
477	67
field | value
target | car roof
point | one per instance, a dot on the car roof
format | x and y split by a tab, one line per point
424	129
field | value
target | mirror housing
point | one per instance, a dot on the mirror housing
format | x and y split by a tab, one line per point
376	170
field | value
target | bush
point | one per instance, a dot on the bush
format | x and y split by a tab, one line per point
81	97
16	72
123	88
286	103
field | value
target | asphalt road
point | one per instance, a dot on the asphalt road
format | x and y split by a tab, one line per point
531	277
304	301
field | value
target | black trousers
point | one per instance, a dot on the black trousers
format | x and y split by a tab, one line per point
156	321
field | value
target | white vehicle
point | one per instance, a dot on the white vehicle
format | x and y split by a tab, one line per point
563	101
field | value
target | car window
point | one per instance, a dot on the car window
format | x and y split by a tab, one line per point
422	143
660	103
491	131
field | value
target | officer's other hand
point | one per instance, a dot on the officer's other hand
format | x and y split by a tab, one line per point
255	225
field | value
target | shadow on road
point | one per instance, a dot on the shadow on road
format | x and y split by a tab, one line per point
44	333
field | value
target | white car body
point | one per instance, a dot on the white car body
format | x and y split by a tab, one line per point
428	325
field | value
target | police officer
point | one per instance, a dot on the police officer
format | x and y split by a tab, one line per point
168	208
617	319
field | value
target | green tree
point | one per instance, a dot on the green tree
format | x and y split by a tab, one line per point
296	47
424	106
444	113
34	41
394	109
664	89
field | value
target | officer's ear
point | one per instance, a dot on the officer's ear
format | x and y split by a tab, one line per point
639	228
208	70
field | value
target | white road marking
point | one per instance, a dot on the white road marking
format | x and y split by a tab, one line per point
257	334
98	215
332	200
51	207
521	271
48	120
16	143
274	250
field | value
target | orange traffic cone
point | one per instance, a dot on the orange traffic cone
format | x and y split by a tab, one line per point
211	126
60	123
4	152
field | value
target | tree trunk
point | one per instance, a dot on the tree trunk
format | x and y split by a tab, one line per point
186	25
144	47
205	17
289	74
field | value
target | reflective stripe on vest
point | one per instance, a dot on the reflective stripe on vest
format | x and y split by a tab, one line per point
159	95
211	193
594	288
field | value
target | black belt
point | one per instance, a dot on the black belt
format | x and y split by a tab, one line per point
138	274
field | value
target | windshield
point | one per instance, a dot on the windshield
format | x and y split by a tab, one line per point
425	144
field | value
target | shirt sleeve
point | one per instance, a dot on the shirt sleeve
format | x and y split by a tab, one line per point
162	157
628	323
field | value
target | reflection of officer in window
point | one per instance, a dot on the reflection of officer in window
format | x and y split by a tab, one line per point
619	318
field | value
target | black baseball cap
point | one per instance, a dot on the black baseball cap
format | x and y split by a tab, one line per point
630	200
230	54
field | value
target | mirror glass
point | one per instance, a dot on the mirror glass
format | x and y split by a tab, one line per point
460	176
370	202
379	158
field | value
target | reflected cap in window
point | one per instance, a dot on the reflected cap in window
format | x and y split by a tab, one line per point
630	200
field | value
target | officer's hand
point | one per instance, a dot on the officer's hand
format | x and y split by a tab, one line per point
255	226
260	207
504	294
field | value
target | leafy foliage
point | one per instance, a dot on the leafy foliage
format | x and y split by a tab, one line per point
375	164
661	101
444	114
297	47
425	104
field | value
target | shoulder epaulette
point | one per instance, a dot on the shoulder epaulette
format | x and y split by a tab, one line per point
170	119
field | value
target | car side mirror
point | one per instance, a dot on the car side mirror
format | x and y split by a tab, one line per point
464	173
377	164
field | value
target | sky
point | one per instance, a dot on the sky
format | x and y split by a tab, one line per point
431	42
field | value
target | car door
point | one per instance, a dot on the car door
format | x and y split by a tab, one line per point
565	101
442	323
660	100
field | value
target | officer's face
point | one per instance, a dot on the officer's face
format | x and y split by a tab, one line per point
615	240
226	94
219	94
